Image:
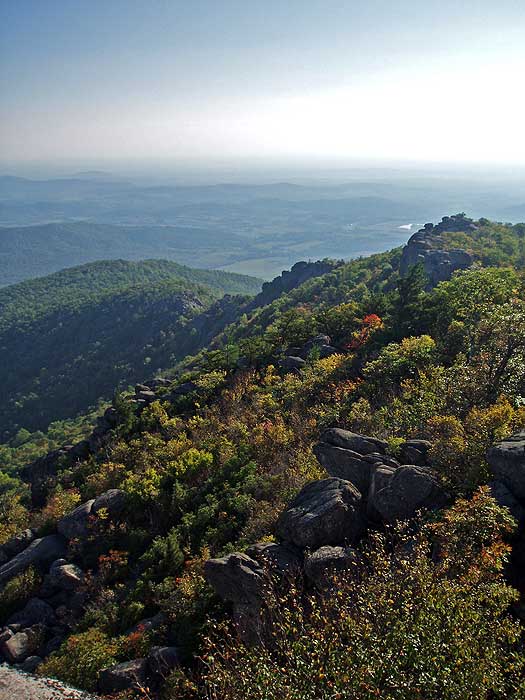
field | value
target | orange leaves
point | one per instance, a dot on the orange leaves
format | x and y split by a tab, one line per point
370	324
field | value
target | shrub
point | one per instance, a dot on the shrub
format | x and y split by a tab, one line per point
402	627
81	658
17	591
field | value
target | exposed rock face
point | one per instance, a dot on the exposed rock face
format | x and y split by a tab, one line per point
381	476
290	363
350	456
241	580
20	645
414	452
407	490
321	522
124	676
281	561
64	576
324	512
507	461
427	247
41	551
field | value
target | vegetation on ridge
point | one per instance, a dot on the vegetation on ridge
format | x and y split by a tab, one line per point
207	472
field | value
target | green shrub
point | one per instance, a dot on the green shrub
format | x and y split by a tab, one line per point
81	658
409	627
17	591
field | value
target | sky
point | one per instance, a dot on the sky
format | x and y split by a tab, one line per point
97	81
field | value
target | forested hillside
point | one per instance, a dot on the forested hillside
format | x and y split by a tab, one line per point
324	502
68	339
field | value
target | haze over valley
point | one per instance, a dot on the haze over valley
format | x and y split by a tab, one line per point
256	225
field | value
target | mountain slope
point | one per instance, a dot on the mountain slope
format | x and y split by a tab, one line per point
68	339
271	479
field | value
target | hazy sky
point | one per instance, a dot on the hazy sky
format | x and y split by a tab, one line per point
288	79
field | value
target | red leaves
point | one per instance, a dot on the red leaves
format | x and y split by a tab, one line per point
371	323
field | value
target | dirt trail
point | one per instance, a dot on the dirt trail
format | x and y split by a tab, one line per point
15	685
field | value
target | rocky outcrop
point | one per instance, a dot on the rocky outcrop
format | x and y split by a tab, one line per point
64	577
415	452
112	502
504	497
20	645
36	611
236	578
366	488
240	580
39	553
363	444
344	464
405	491
329	511
427	247
288	280
247	581
321	566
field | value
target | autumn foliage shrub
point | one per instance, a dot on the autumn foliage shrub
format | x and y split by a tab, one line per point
409	625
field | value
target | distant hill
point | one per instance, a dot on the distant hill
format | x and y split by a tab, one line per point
33	251
70	338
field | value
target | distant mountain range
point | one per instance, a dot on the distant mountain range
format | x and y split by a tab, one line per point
256	229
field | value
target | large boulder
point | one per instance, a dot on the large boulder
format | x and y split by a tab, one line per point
39	553
31	664
404	491
292	363
65	577
507	461
328	511
113	501
321	566
129	675
427	247
344	464
237	578
363	444
241	580
75	525
36	611
20	645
